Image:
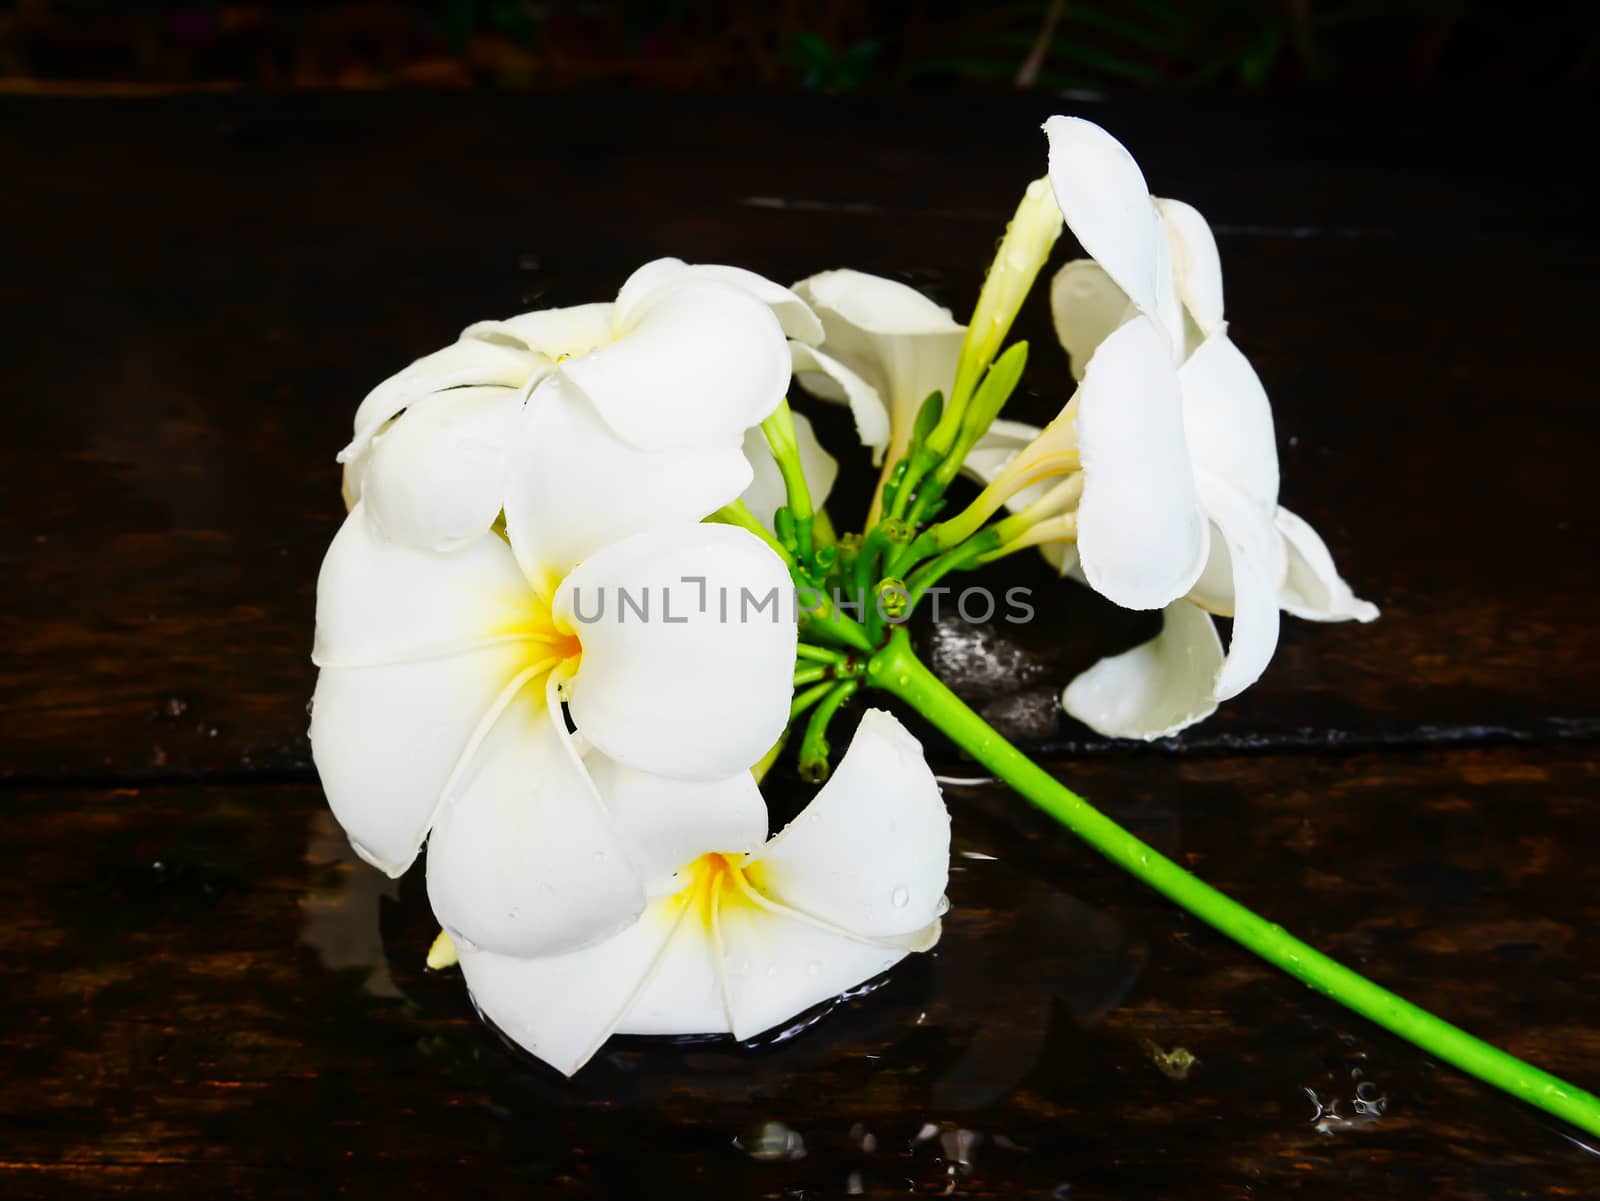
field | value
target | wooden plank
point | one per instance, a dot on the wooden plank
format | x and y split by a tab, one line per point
202	992
233	275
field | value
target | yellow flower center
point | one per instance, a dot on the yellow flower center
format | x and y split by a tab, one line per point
715	884
547	644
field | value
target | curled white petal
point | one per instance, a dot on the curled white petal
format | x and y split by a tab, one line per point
683	993
1254	553
871	852
1196	264
1312	587
461	364
667	823
1157	688
777	966
825	376
1227	420
903	345
1087	307
436	477
688	649
694	362
767	491
576	486
1108	208
1142	536
554	333
524	859
562	1008
793	313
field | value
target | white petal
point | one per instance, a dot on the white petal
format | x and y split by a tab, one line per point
1155	689
1108	207
1195	262
793	314
1087	306
694	363
353	475
776	966
436	477
382	602
553	333
1213	591
684	992
826	377
562	1008
1227	420
524	859
386	739
700	688
1142	536
667	823
1312	587
461	364
577	487
871	853
766	492
897	340
1254	552
872	306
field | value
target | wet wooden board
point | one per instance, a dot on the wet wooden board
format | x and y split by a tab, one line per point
195	316
202	991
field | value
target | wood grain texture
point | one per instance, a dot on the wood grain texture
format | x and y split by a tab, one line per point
201	991
199	290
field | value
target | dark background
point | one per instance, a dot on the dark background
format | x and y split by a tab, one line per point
1243	45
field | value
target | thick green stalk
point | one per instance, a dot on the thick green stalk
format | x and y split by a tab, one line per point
897	670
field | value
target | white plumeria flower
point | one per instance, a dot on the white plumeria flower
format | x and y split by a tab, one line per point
738	943
885	348
1181	428
663	382
439	707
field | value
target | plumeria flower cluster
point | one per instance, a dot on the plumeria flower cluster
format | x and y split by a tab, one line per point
588	591
1157	483
527	659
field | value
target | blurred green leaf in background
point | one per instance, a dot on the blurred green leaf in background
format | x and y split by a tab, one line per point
833	45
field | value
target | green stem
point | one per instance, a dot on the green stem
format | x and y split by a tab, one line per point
784	442
820	654
965	555
917	466
823	621
811	674
897	670
814	746
804	700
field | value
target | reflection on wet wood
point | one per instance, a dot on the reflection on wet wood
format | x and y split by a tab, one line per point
241	273
203	992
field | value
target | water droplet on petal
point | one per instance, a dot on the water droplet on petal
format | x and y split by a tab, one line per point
814	967
901	897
